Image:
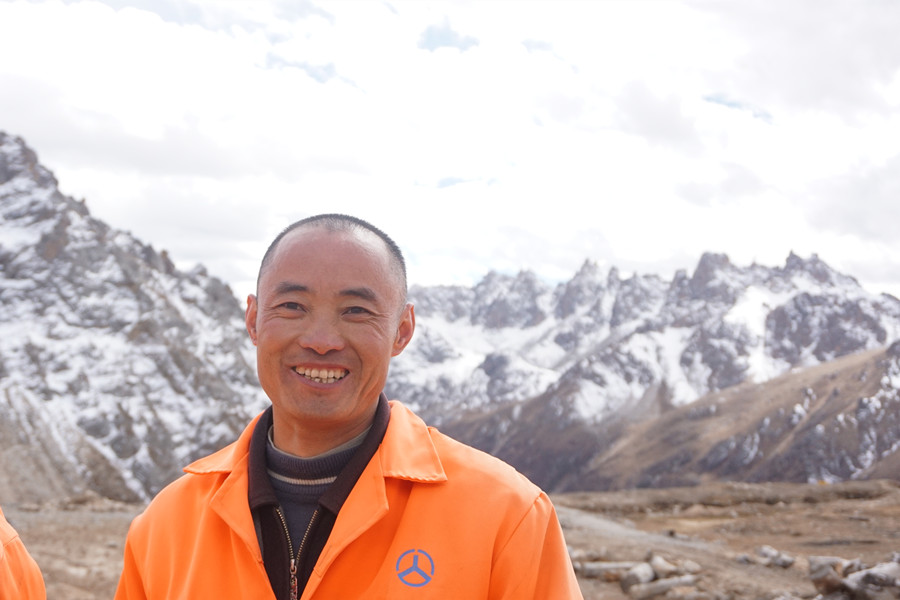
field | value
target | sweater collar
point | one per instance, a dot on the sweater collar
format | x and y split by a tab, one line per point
408	452
260	491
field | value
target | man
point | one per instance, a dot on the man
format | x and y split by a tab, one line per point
334	492
20	577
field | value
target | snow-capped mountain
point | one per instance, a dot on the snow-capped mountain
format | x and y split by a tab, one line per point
546	376
604	343
116	368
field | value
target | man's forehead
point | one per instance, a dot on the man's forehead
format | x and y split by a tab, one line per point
356	252
322	234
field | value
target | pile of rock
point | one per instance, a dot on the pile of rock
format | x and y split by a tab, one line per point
768	556
839	579
652	577
834	578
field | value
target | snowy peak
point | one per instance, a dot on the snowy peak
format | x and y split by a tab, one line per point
599	348
816	270
718	327
501	301
583	291
18	161
115	367
715	279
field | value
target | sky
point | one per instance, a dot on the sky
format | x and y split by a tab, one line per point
481	135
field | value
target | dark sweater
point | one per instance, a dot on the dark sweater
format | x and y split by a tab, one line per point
300	482
267	510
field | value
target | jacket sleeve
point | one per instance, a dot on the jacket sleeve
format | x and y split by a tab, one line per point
131	584
20	576
534	563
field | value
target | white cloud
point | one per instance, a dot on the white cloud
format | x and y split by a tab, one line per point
823	55
637	134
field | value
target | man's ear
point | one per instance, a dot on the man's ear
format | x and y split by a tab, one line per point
405	329
250	317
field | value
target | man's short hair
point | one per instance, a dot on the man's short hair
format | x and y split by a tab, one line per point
340	222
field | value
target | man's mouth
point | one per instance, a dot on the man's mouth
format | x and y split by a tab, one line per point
322	375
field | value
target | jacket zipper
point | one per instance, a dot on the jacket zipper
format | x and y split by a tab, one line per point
295	560
290	546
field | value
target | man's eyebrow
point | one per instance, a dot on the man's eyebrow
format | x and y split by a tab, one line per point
286	287
363	293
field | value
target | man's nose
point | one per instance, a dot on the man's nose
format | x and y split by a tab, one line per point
321	335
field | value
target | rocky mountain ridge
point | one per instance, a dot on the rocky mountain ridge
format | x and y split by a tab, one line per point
549	378
116	368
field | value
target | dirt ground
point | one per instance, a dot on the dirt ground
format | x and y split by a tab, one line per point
721	526
79	543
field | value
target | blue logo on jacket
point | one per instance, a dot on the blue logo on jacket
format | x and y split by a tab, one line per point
415	568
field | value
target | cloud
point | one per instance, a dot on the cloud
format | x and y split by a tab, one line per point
735	183
298	10
223	16
321	73
814	54
172	11
864	203
82	138
663	128
443	36
449	181
658	120
724	100
537	46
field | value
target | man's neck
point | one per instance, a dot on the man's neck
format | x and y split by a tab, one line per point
351	443
308	442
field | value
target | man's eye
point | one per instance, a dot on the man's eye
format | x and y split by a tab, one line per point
291	305
358	310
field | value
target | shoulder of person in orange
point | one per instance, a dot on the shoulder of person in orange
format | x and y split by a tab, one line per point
20	576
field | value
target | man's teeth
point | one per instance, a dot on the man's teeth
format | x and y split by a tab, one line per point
322	375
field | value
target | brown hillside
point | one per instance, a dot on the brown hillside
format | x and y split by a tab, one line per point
779	430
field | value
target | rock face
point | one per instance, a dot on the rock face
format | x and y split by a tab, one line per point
836	421
116	368
555	379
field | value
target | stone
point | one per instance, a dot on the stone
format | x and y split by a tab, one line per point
690	567
641	591
662	567
638	574
825	573
881	582
774	558
607	570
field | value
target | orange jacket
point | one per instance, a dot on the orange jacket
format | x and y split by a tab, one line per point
428	518
20	577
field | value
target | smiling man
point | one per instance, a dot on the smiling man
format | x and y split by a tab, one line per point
334	492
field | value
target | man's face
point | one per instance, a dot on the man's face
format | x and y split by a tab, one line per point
326	321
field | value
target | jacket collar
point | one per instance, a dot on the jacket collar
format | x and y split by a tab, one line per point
408	450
